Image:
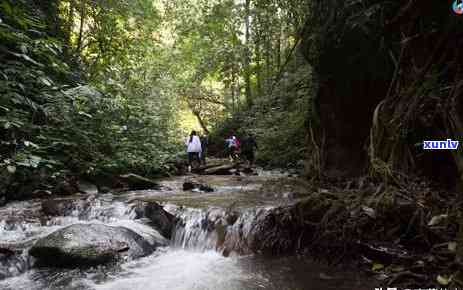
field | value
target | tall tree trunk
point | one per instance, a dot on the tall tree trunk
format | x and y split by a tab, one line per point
278	48
200	121
232	88
258	67
268	73
69	26
82	22
70	22
459	256
247	57
51	12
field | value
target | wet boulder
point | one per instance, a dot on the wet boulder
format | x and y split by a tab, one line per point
87	187
231	217
5	180
63	207
12	262
188	185
42	193
220	170
247	170
191	186
89	245
65	187
160	219
137	182
104	189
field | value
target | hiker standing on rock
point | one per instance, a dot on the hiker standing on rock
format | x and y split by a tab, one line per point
248	147
193	148
232	147
204	144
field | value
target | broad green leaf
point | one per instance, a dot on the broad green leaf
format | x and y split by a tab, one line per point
377	267
369	211
46	81
23	48
11	169
435	220
6	8
444	280
27	58
31	161
30	144
452	246
85	114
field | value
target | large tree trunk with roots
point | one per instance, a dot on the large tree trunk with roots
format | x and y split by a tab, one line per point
389	78
353	72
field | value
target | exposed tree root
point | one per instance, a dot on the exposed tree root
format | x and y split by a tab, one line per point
406	234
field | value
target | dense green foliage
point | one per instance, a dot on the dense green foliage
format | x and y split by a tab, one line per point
276	91
32	78
96	88
113	86
279	121
90	87
52	125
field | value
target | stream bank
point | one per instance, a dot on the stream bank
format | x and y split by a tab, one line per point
404	235
212	246
401	236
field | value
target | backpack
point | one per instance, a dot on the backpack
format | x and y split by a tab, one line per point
237	143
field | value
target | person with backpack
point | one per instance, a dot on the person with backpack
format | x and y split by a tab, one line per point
194	149
237	143
232	147
248	147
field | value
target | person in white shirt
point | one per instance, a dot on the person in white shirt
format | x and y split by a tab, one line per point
232	147
193	144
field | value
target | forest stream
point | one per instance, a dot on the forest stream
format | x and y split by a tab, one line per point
192	258
106	105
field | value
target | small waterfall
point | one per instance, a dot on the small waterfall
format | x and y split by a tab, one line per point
210	248
198	229
96	211
216	229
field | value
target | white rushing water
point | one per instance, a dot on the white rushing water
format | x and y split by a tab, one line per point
179	269
193	261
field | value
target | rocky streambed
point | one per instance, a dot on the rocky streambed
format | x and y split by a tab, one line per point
165	238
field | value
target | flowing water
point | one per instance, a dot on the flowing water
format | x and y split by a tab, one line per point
193	260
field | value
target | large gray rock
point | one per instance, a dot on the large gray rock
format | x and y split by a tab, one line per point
160	219
137	182
87	187
190	185
89	245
